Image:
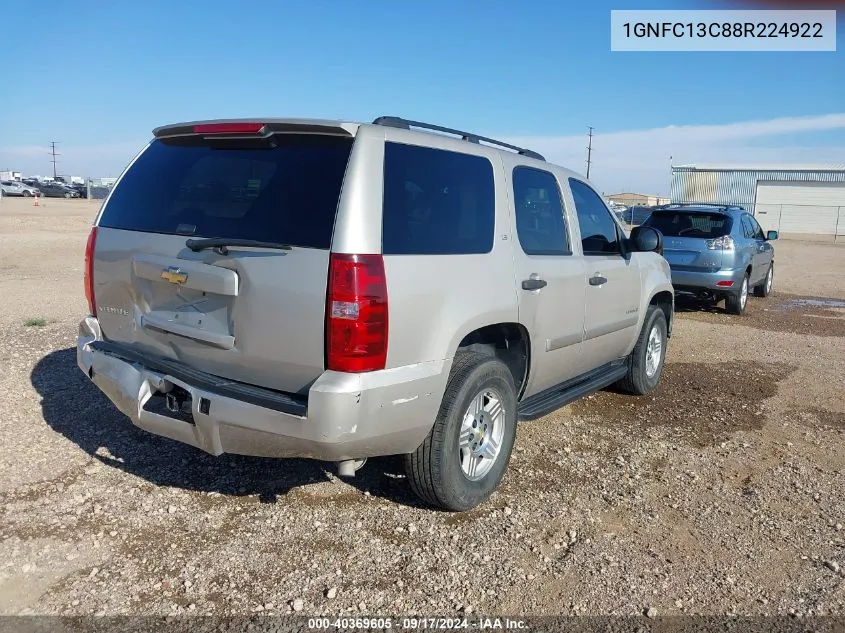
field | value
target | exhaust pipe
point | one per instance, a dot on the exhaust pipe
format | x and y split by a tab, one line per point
349	467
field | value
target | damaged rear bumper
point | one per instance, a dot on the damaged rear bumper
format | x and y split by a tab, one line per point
344	416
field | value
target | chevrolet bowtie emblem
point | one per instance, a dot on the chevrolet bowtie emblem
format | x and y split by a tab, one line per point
174	275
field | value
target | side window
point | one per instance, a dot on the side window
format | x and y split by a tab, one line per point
540	223
755	228
436	202
598	230
748	227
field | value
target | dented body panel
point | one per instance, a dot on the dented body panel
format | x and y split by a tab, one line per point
348	416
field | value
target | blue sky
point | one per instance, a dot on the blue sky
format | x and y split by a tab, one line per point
99	79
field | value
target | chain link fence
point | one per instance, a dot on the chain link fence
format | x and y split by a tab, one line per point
797	220
633	210
96	189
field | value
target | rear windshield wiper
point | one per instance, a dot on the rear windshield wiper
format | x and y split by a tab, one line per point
220	244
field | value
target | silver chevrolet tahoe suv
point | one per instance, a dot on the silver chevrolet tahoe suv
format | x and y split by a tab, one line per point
334	290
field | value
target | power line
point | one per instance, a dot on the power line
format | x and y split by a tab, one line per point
589	151
53	154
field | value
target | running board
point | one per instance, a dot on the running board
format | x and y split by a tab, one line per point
555	397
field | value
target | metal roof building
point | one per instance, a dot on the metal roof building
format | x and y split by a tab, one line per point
797	200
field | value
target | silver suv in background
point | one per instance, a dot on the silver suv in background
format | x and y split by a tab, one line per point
716	252
335	290
14	188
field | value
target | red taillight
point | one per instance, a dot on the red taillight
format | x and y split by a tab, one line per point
356	313
88	275
725	284
228	128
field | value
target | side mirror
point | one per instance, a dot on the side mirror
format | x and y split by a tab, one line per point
645	239
771	235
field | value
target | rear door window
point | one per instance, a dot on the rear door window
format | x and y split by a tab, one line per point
690	224
755	232
436	202
747	229
538	206
285	190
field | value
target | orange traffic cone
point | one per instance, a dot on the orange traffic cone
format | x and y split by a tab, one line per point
35	201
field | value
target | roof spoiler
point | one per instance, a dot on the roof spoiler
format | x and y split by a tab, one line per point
249	128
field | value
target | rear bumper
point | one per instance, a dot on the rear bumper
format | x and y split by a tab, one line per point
345	416
688	282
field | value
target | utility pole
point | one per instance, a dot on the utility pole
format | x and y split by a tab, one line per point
671	175
53	154
589	151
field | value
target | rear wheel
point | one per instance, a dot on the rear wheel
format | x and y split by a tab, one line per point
765	288
463	459
645	364
735	303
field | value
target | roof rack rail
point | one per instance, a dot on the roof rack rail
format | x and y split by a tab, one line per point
702	204
406	124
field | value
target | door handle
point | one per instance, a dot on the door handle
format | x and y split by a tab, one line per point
597	280
533	284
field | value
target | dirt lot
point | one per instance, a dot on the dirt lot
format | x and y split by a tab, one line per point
721	493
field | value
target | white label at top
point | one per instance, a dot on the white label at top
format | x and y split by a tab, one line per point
728	30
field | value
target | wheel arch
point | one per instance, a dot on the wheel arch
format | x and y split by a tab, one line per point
665	300
510	342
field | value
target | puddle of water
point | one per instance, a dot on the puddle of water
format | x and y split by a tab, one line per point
813	316
802	302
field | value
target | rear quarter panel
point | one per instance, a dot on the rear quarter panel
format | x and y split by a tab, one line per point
434	300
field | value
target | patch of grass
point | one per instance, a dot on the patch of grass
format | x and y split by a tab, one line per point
39	322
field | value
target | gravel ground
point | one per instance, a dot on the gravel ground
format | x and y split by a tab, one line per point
721	493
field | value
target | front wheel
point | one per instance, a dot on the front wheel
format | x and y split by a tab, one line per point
645	364
463	459
735	303
765	288
26	194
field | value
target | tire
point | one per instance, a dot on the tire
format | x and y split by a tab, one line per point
765	288
439	471
736	303
68	196
26	194
643	375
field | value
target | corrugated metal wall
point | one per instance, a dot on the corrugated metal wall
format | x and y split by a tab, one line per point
726	186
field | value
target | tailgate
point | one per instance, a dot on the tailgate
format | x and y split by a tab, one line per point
691	254
686	235
248	313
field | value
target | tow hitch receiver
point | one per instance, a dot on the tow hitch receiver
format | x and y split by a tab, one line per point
174	404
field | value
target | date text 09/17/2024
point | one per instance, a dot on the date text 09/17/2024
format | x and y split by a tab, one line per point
430	623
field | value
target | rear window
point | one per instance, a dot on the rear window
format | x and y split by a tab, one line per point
285	190
680	224
436	202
